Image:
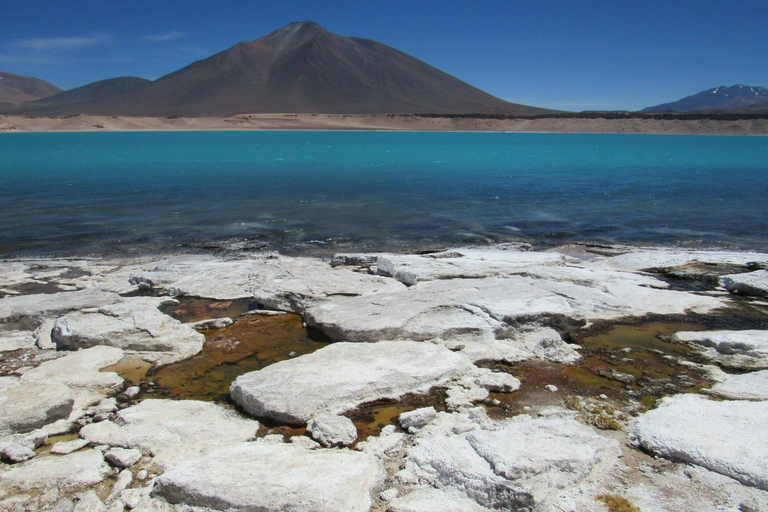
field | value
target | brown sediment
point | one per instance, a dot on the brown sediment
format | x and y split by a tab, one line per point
251	343
131	368
371	418
622	362
193	309
44	450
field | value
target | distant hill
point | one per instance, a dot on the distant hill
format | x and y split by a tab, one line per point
302	68
17	88
97	90
72	100
738	98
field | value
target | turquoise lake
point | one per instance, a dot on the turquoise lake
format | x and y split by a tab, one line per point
70	193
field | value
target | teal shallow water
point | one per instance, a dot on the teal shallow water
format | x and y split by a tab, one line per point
102	192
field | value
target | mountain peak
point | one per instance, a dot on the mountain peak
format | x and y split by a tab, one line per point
728	98
298	30
302	68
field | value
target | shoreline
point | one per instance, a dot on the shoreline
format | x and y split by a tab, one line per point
386	122
130	380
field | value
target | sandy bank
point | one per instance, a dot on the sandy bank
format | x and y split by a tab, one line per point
385	122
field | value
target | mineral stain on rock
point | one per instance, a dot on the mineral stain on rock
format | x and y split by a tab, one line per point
621	362
251	343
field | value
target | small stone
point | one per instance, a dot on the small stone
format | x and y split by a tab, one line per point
102	416
67	447
142	475
14	453
212	323
389	494
131	498
293	353
550	387
124	479
123	457
132	392
329	430
413	421
272	439
89	502
305	442
604	397
102	447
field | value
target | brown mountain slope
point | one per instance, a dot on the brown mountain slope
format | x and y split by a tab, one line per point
302	68
17	88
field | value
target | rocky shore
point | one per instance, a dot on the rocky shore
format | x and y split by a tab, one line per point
482	378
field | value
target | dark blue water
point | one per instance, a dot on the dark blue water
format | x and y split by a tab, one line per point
101	192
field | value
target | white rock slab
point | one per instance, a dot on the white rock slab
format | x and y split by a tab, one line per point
66	472
122	457
514	463
15	340
134	325
81	372
747	386
274	477
67	447
294	284
726	437
29	310
740	349
341	376
749	283
27	406
435	500
173	431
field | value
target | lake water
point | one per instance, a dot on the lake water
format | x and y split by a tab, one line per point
325	191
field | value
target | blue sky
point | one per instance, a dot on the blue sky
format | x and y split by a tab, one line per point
564	54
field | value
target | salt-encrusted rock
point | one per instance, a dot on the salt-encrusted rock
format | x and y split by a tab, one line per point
493	381
89	502
173	431
67	447
212	323
461	396
135	325
295	284
26	406
511	464
750	283
124	479
341	376
28	311
66	472
726	437
747	386
739	349
332	431
273	477
42	335
305	442
465	263
435	500
413	421
81	372
122	457
356	260
132	392
501	317
388	444
14	453
15	340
